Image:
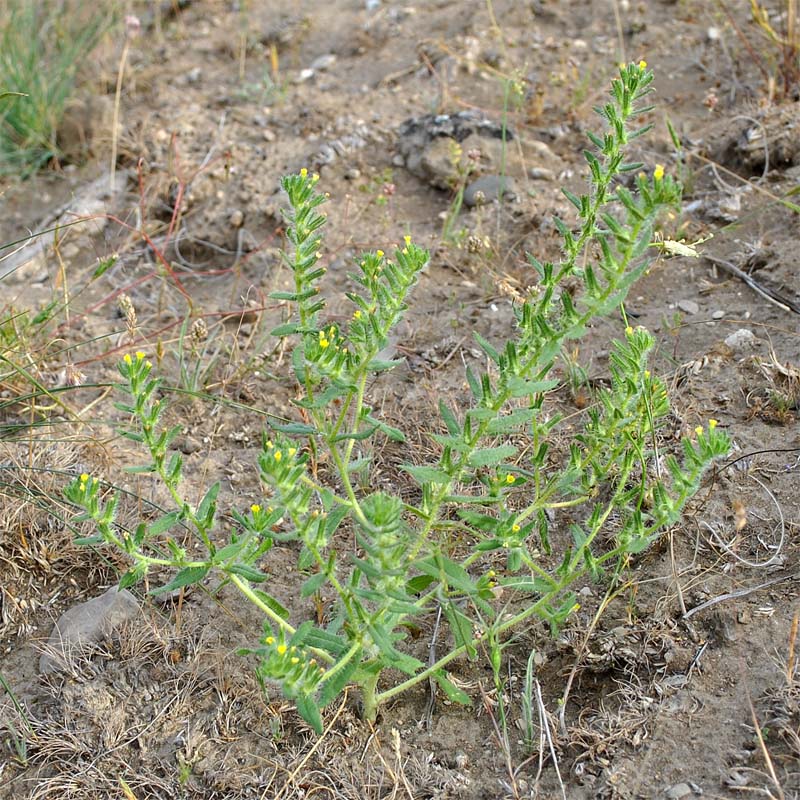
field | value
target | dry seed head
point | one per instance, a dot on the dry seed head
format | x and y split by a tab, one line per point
125	305
199	331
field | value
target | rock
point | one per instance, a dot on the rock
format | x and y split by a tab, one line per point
688	306
718	314
436	147
678	791
269	135
323	62
489	188
85	624
740	339
542	174
236	219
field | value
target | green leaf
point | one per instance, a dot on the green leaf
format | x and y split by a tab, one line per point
293	428
489	456
274	604
308	709
487	348
451	690
87	540
453	442
461	626
312	584
144	469
103	266
510	422
208	505
132	576
229	551
324	640
358	436
164	523
425	474
286	329
186	577
454	574
247	572
332	688
377	365
453	428
393	433
519	387
419	583
394	657
474	384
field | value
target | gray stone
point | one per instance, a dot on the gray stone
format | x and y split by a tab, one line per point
678	791
85	624
542	174
688	306
741	339
437	147
488	188
321	63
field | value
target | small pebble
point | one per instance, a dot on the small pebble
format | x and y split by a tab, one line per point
718	314
491	187
688	306
236	219
678	791
542	174
740	339
268	135
323	62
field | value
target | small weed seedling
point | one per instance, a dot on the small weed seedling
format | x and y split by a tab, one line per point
619	490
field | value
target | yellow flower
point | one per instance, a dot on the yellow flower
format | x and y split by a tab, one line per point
699	430
712	423
270	640
642	65
647	374
315	177
407	240
255	508
127	359
323	343
379	253
357	314
292	451
281	648
84	478
269	445
515	527
295	660
629	331
510	478
139	355
278	455
658	173
303	172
